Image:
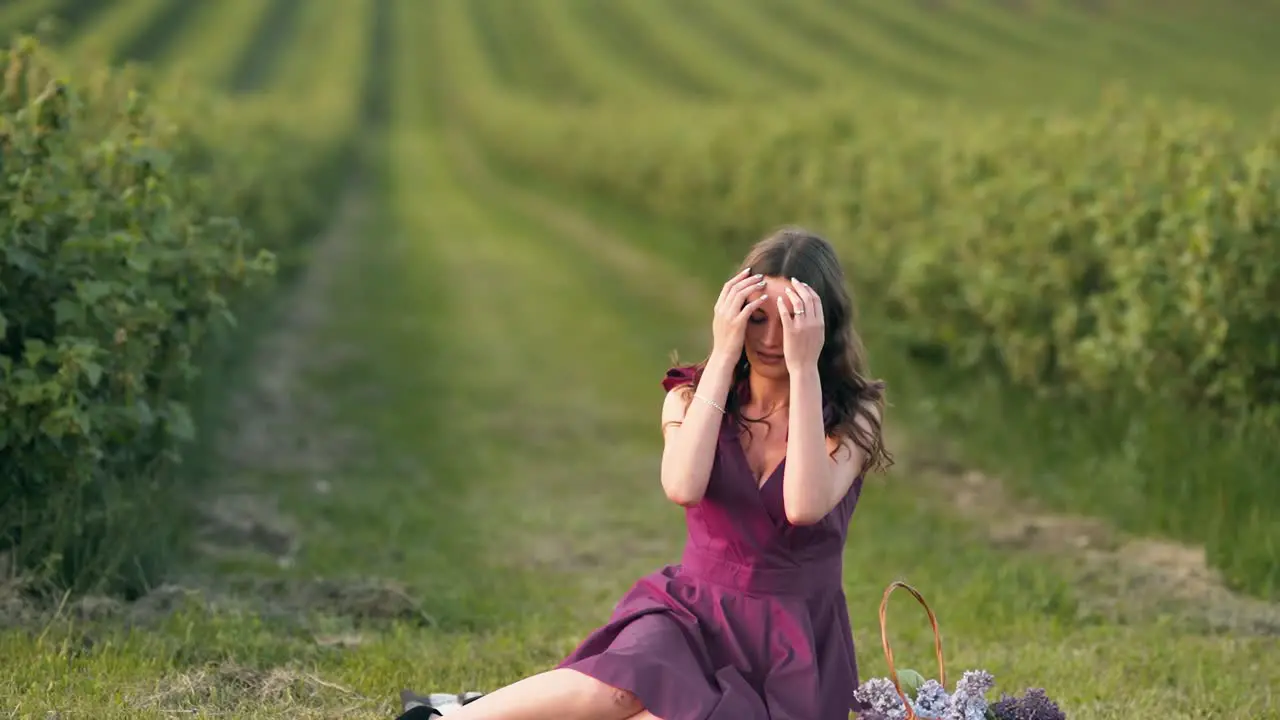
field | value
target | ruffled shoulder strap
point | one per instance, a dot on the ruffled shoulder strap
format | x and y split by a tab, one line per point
680	375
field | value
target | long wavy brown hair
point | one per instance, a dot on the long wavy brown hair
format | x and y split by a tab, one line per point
794	252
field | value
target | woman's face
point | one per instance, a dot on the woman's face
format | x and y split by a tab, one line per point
763	337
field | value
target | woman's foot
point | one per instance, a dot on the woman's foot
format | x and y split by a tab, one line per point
422	707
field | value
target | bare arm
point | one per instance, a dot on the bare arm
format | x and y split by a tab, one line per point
691	428
813	480
691	425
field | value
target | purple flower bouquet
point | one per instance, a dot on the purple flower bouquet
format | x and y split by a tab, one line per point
907	695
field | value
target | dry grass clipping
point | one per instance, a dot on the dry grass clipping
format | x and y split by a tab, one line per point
226	687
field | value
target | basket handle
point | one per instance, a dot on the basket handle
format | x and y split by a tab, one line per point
888	652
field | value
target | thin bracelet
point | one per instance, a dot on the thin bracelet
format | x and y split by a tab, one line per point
712	403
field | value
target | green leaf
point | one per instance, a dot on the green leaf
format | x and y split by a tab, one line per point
35	352
139	262
91	291
142	412
23	260
93	371
68	419
179	421
32	393
68	312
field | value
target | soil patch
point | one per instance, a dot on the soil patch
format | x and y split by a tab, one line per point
360	600
248	522
278	427
1122	578
316	605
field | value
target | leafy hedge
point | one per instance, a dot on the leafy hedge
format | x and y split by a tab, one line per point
1124	251
129	231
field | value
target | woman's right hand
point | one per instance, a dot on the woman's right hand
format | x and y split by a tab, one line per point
728	325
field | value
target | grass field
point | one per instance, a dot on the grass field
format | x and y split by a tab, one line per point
435	465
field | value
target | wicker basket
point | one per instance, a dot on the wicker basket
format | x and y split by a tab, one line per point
888	652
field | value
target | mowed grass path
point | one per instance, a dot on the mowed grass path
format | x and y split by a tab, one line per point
464	400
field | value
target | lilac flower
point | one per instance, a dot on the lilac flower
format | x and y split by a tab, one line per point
975	682
883	698
969	701
1034	705
931	701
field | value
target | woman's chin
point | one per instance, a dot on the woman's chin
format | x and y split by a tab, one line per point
773	368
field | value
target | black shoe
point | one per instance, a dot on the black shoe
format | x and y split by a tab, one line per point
420	712
422	707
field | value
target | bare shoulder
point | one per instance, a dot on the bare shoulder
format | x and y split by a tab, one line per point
674	407
873	409
848	448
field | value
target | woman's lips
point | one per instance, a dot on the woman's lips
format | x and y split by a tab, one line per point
770	358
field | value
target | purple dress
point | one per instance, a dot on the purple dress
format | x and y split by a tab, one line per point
751	624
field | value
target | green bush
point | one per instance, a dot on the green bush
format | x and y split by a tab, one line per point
129	231
1130	250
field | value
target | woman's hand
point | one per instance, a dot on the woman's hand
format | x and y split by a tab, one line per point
728	325
803	327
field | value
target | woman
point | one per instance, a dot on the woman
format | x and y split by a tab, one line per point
766	445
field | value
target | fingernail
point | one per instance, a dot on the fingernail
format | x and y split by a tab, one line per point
761	283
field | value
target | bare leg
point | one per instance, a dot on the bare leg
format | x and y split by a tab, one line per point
560	694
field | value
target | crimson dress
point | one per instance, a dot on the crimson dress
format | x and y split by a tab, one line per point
751	624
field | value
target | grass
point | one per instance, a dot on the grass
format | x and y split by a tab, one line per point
441	472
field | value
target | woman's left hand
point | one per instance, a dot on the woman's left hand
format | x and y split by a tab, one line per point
804	329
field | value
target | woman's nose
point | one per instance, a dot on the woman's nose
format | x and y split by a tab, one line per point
773	333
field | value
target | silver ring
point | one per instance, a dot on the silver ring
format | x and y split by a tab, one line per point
798	312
